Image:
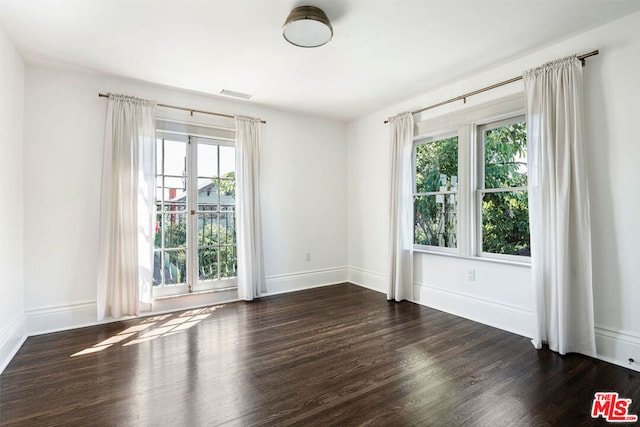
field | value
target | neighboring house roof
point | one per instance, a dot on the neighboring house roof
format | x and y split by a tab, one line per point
211	191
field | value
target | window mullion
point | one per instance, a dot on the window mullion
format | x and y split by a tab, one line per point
192	217
218	248
465	189
435	193
502	189
478	185
163	225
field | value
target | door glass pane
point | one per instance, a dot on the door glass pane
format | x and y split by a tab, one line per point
226	222
157	270
228	261
207	193
175	158
177	183
228	189
175	267
208	263
207	160
175	230
227	161
207	229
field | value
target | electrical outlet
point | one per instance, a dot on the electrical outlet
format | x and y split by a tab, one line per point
307	256
471	275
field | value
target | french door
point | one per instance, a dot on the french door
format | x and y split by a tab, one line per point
195	239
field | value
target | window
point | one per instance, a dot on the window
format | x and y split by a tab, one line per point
470	184
503	220
435	192
195	240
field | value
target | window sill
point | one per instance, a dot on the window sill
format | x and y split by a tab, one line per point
474	258
188	294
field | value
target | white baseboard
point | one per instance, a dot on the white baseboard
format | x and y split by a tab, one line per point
499	315
61	318
58	318
11	339
368	279
191	301
618	347
291	282
613	346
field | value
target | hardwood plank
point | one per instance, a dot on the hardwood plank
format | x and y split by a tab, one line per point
339	355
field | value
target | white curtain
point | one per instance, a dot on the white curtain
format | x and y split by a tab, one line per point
251	280
125	241
401	209
559	208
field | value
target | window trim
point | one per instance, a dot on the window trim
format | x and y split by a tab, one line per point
193	284
466	122
426	139
480	191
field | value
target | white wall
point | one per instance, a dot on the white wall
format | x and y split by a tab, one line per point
303	168
501	295
12	70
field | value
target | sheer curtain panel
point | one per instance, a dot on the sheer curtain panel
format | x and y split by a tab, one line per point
251	280
559	208
401	209
125	241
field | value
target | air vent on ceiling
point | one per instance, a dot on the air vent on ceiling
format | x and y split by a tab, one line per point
233	94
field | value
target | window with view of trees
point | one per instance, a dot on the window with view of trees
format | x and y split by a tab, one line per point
504	216
479	210
435	192
195	239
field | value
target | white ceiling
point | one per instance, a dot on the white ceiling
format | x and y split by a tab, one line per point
382	52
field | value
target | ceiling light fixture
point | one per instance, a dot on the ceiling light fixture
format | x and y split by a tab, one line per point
307	26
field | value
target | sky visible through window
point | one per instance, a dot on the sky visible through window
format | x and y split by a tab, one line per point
175	153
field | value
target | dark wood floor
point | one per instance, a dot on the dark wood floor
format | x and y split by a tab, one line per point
340	355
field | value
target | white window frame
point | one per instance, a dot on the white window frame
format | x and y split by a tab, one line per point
481	191
466	124
193	284
426	139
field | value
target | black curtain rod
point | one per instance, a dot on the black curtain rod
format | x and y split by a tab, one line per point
485	89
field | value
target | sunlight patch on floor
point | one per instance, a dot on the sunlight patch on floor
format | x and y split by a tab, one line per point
145	330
